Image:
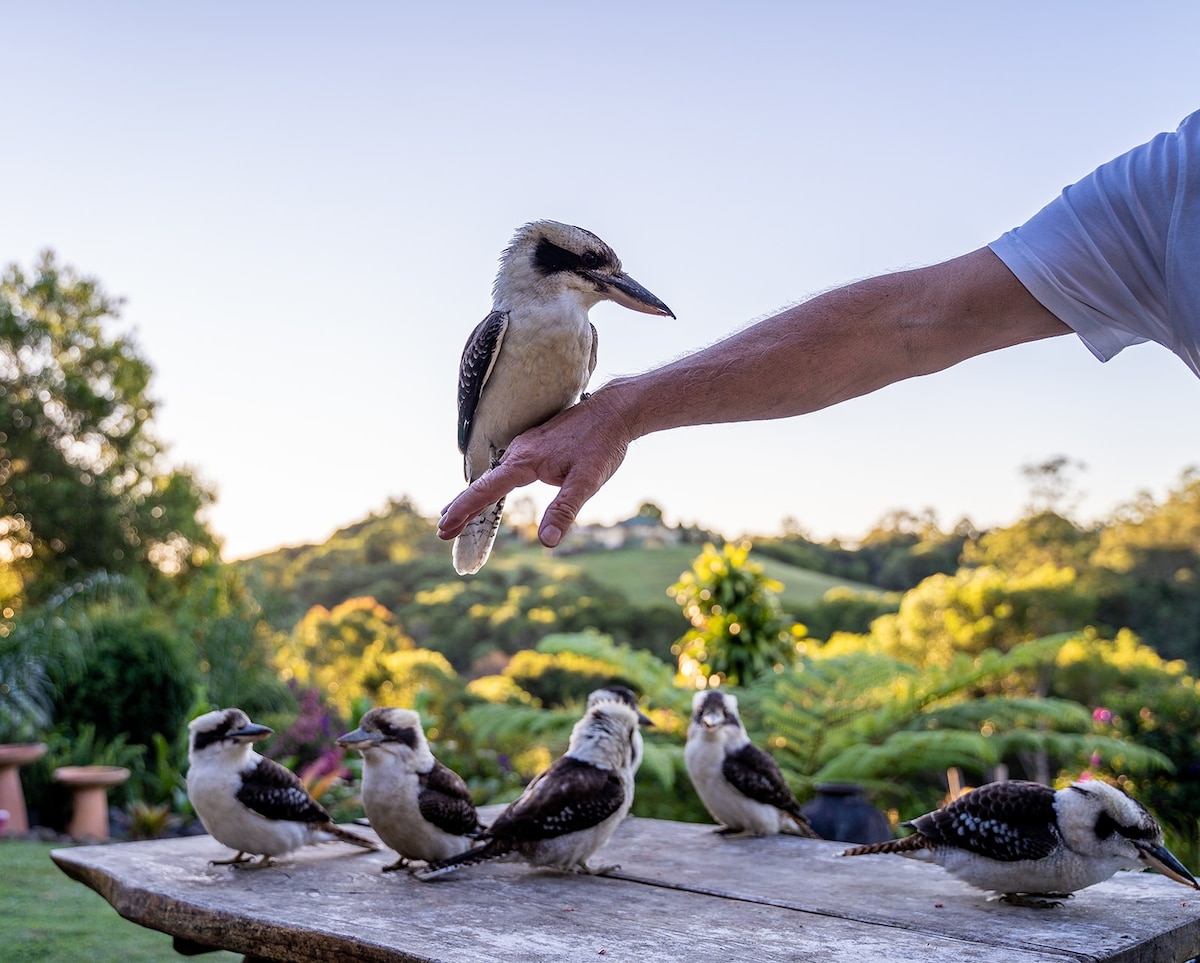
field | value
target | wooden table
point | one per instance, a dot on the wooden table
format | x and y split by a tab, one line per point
682	894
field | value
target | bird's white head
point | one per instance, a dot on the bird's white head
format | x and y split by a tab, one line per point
619	693
607	736
547	260
625	696
1100	821
388	733
224	730
715	717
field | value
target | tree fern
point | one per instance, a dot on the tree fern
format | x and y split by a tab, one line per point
873	720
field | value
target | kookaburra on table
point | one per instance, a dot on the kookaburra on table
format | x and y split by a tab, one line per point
1031	843
419	807
532	356
572	808
740	785
247	802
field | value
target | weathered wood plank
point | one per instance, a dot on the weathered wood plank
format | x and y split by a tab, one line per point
682	893
1132	917
331	903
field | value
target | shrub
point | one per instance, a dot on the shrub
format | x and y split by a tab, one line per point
135	679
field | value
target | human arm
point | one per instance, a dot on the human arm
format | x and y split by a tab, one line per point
840	345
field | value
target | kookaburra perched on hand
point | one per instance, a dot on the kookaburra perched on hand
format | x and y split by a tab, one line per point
571	809
419	807
532	356
247	802
740	785
1025	840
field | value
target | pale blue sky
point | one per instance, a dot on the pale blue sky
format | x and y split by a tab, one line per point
304	203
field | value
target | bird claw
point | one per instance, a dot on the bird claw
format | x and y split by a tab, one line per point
238	860
599	870
1035	900
247	864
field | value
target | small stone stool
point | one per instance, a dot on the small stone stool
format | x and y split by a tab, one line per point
12	797
90	785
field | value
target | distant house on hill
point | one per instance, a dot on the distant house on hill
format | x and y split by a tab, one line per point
640	531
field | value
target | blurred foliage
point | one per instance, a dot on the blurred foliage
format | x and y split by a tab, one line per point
739	631
138	678
304	735
845	610
866	717
900	551
233	643
396	558
356	650
978	609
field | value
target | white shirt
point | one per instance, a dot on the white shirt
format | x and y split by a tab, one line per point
1117	256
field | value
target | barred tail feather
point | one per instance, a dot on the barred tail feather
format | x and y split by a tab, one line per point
474	544
907	844
491	850
348	837
802	826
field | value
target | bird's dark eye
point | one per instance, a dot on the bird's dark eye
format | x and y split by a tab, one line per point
590	259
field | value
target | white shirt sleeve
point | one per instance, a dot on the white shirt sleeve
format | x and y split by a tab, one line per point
1117	255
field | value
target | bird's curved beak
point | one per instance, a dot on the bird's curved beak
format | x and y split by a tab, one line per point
360	740
644	720
252	733
623	289
1162	860
712	720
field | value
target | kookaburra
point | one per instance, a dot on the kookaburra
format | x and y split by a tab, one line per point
247	802
532	356
572	808
740	785
419	807
1031	843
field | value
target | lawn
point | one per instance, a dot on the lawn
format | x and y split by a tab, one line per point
45	915
644	575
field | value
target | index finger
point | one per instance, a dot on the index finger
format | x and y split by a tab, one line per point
485	490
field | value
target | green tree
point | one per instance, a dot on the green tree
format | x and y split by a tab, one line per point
1149	559
1044	538
82	488
980	609
233	643
739	630
355	650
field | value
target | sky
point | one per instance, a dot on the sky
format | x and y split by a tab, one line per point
303	205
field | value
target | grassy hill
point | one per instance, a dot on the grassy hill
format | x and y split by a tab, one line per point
644	574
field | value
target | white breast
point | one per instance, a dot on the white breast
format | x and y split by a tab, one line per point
390	800
704	759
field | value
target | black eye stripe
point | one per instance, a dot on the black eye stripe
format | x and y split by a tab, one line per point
402	734
549	258
1106	826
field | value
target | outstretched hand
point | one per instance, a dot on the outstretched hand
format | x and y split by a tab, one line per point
578	450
